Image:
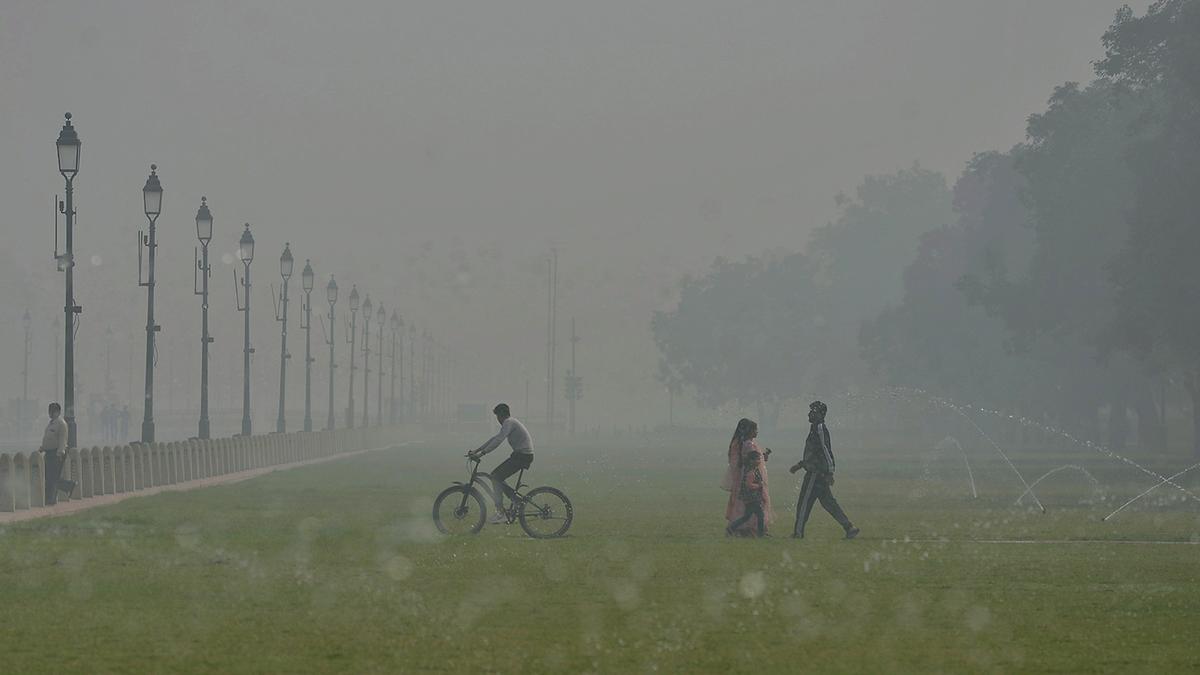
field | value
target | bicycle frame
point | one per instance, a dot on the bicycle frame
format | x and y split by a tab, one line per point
483	479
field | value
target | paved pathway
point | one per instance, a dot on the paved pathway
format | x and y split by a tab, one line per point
77	505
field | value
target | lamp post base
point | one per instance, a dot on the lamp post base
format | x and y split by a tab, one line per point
148	431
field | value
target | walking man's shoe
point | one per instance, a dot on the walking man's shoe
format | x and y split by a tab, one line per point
852	533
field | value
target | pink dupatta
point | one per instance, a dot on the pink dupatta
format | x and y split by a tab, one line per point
735	508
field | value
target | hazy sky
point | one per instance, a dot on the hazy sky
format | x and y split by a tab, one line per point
434	151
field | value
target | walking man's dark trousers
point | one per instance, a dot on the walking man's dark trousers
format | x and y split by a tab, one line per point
816	488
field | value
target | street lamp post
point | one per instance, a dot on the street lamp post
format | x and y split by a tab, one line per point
353	336
68	146
331	294
286	263
412	371
204	232
366	348
380	318
27	322
306	282
397	325
246	253
152	203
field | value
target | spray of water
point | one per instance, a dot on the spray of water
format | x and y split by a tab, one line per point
899	391
1149	490
1028	488
1033	424
1095	483
952	441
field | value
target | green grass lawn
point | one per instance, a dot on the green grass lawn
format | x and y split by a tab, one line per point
337	568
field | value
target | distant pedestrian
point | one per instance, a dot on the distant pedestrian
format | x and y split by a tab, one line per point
54	445
818	468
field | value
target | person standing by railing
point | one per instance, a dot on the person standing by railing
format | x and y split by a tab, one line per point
54	445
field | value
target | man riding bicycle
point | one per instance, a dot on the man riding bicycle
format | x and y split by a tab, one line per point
521	457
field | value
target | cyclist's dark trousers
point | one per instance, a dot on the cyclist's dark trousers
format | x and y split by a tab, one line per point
812	489
515	462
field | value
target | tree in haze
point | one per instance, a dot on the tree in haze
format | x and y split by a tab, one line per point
1157	58
748	333
862	255
934	339
1075	185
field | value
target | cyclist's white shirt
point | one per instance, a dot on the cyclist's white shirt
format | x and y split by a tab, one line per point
517	435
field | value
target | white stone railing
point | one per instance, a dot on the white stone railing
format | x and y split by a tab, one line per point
129	468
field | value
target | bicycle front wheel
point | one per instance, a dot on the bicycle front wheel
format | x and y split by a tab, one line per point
546	513
459	509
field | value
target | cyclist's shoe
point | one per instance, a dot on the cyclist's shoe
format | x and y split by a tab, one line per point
498	518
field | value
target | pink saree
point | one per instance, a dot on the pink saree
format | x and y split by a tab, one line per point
732	481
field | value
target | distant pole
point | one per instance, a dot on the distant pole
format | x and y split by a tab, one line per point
152	201
397	325
331	294
107	359
573	380
366	350
25	411
307	278
204	234
412	371
68	146
551	336
57	349
286	265
380	318
353	345
430	375
246	252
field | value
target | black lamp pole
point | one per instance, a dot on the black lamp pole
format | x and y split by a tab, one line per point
152	202
26	322
204	234
285	271
397	325
412	372
246	252
331	293
68	165
380	318
306	282
366	348
353	336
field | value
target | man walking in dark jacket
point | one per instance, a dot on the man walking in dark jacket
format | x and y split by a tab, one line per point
818	468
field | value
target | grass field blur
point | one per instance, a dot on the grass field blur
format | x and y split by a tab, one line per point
337	568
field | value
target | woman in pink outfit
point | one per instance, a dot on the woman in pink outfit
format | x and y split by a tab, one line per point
740	447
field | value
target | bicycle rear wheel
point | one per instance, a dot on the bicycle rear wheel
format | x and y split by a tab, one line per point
546	513
459	509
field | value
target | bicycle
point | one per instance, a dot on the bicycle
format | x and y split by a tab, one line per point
544	512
